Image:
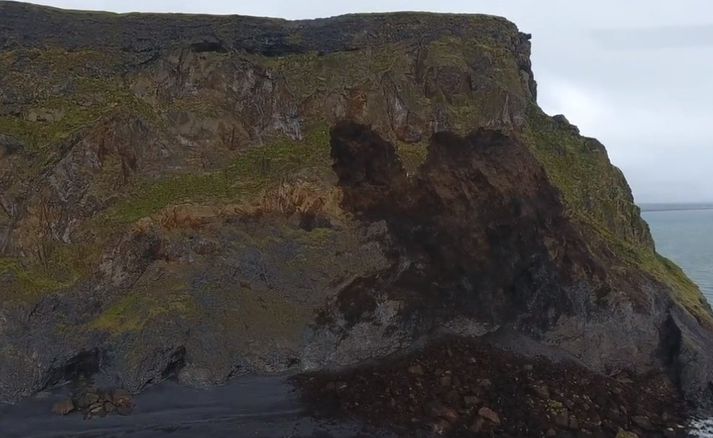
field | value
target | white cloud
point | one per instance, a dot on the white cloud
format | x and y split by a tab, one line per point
581	107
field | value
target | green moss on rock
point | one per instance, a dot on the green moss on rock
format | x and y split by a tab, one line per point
255	170
597	196
64	92
139	308
412	155
27	283
592	188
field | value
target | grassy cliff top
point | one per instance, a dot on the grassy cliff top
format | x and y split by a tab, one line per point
29	25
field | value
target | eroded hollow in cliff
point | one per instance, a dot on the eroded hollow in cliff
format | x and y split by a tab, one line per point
470	226
670	348
82	366
370	173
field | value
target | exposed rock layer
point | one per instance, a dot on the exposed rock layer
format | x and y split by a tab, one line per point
209	196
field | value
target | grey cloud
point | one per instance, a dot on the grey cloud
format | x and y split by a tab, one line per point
667	37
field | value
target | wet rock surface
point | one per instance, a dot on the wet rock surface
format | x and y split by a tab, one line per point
460	387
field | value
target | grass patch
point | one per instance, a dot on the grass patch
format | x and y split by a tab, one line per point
644	259
67	118
412	155
135	310
257	169
597	196
68	90
39	135
592	187
26	283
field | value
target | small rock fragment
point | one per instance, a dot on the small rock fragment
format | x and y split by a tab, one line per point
453	398
471	401
477	425
63	407
573	423
109	407
489	414
440	427
562	418
626	434
96	410
643	422
120	396
541	391
485	383
122	401
416	370
439	410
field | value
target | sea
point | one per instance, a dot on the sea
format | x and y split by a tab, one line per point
684	234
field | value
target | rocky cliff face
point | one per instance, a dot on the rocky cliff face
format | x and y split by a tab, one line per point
209	196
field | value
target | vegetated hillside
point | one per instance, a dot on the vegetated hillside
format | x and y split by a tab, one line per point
218	195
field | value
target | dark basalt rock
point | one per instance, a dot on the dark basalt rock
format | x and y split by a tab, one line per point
8	146
198	197
34	26
477	232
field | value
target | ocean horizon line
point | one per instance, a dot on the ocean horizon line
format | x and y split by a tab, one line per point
674	206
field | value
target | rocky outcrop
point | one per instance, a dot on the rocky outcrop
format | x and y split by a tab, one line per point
208	196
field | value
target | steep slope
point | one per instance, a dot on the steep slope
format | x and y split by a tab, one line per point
219	195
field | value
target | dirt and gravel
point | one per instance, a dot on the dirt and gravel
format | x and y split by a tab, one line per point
458	387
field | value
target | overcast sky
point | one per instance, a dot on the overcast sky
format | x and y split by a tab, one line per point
637	74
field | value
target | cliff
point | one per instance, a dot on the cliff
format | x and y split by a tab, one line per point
209	196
